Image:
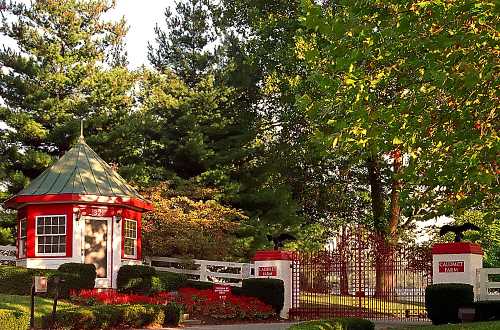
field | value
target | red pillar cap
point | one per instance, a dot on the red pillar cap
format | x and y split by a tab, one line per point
457	248
273	255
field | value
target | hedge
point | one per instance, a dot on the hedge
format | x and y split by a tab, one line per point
487	310
139	279
17	280
200	285
336	324
75	276
442	301
268	290
14	320
171	281
107	317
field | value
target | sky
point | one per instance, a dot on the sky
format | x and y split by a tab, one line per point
141	16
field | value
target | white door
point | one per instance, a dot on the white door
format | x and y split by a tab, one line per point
97	248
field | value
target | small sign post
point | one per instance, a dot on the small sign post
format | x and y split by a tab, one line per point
38	285
222	290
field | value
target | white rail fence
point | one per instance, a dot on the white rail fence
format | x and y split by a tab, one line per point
488	282
231	273
7	255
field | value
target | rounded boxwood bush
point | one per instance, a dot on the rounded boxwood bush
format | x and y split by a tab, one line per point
84	275
268	290
138	279
442	301
347	323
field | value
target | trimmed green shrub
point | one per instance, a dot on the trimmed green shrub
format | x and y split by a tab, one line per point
268	290
442	301
107	317
82	275
200	285
14	320
17	280
348	323
138	279
487	310
173	312
171	281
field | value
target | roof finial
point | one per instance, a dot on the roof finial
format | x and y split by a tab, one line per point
81	139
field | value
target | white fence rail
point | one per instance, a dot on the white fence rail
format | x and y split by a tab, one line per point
231	273
488	289
7	255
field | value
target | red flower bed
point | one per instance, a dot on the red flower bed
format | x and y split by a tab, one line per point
198	303
113	297
208	304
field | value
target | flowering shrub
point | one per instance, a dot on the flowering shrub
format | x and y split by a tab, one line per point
113	297
198	303
208	304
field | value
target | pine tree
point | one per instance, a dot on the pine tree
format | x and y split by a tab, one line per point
184	47
66	65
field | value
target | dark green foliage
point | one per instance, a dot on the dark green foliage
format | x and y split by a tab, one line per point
108	316
487	310
171	281
336	324
138	279
13	320
17	280
268	290
442	301
78	276
173	312
200	285
182	47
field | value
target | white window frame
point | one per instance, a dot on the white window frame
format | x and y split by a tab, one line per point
22	238
58	254
125	237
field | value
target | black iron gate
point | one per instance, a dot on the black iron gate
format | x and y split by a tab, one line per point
360	275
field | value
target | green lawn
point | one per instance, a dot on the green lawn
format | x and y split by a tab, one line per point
43	306
365	303
494	325
325	325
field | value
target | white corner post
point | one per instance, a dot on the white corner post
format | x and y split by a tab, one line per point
278	265
457	262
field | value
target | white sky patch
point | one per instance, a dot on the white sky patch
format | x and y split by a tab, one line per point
141	17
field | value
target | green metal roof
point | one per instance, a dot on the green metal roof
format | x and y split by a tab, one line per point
80	171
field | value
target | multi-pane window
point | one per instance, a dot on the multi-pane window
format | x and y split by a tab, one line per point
22	237
51	235
130	238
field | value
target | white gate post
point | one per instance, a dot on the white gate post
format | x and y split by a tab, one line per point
457	262
276	264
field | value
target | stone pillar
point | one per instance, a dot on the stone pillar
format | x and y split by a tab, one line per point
276	264
456	262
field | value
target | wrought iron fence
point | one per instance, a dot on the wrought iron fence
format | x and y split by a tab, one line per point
361	275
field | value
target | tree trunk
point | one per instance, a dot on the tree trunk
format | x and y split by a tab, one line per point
376	194
384	266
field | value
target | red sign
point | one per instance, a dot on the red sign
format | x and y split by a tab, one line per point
222	290
451	266
268	271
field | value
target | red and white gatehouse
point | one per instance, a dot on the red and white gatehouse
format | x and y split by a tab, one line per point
79	210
